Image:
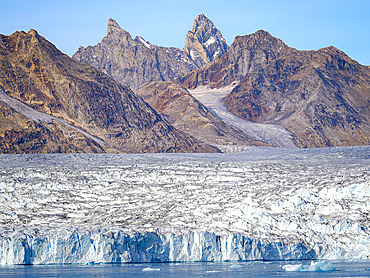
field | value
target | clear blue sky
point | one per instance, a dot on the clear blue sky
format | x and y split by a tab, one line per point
305	25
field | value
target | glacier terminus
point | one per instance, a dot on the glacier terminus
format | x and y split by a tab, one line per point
261	204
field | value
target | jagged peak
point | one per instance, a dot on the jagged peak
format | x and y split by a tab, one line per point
330	49
202	20
113	26
32	32
255	35
260	38
144	42
205	42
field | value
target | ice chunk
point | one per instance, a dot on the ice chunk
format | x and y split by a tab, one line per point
293	267
314	267
151	269
236	266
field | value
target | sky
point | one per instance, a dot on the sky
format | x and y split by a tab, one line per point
302	24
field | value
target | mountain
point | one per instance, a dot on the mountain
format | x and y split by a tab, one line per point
24	130
204	42
321	96
50	100
185	113
135	62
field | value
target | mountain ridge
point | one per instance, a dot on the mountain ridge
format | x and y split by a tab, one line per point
321	96
187	114
134	62
36	73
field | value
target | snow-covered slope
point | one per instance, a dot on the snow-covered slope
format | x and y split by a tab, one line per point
261	204
272	134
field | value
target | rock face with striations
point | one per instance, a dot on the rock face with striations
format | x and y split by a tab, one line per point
48	99
134	62
184	112
20	134
322	96
204	42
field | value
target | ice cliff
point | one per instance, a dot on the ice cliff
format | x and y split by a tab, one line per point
120	247
263	204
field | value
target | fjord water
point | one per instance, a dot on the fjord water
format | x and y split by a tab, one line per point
226	269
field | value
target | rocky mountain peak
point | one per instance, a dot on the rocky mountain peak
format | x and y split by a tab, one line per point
55	104
134	62
259	40
144	42
32	32
320	96
204	42
202	21
113	26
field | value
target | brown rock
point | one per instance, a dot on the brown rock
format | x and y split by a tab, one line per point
33	71
134	62
184	112
19	134
320	96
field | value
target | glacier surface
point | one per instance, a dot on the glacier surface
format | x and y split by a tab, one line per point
262	204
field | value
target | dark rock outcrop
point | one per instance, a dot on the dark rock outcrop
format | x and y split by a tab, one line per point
321	96
35	72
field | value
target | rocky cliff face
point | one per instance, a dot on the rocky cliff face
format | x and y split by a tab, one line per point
204	42
187	114
134	62
20	134
80	99
320	96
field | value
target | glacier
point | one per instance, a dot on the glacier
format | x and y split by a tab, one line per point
273	134
261	204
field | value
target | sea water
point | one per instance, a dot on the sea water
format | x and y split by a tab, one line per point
225	269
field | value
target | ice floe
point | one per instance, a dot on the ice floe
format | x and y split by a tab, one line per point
314	267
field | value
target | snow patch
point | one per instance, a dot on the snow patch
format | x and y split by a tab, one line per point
210	41
146	43
194	54
215	55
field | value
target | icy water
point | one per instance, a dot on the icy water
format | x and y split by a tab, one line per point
244	269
